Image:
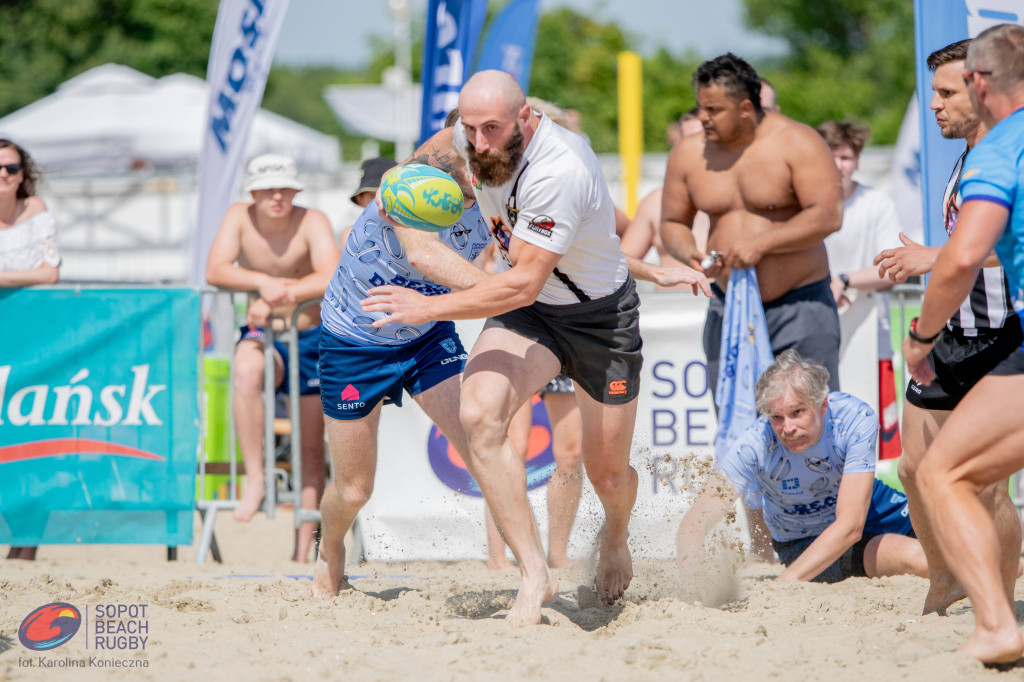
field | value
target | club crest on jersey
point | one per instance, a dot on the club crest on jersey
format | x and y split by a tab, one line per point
448	345
542	225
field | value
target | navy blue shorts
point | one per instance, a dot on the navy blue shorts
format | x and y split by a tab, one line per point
355	377
888	513
309	357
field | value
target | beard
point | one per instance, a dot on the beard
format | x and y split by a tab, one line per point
958	130
496	166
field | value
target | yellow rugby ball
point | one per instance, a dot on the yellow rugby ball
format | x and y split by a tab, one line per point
422	197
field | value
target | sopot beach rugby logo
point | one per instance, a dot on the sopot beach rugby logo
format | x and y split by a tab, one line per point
50	626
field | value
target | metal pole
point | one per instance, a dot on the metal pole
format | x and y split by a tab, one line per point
269	392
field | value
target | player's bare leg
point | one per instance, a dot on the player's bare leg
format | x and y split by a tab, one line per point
519	434
981	443
917	433
312	423
247	405
894	554
353	446
566	483
607	439
503	372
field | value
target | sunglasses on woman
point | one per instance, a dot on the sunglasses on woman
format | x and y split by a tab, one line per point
11	168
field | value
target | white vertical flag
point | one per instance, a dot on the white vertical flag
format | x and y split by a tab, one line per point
244	39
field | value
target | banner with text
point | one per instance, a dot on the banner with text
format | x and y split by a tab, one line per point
244	39
99	415
453	27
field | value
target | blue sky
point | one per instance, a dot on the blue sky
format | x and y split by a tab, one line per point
337	32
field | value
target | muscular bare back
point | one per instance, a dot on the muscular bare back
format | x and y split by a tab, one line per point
771	192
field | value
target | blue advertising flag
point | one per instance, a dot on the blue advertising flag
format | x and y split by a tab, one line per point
510	41
745	354
453	27
938	23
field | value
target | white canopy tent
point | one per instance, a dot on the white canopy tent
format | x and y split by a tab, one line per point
120	150
114	118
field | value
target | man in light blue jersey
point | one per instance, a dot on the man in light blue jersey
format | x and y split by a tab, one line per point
362	366
810	460
982	441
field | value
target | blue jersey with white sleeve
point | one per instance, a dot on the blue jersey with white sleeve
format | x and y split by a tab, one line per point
799	490
373	256
993	172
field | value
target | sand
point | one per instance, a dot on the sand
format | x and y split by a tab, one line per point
252	617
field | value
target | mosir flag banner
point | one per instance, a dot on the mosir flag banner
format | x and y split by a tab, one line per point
449	46
244	39
99	415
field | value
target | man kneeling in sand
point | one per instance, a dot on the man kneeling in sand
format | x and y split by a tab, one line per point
810	461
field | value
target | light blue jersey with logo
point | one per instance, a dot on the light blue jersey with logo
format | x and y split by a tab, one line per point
372	257
799	490
994	172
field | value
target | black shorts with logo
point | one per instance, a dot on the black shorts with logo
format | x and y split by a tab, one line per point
598	342
960	362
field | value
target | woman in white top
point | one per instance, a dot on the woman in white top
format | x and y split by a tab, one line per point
28	239
28	236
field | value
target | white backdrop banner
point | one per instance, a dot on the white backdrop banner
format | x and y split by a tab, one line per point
425	506
244	39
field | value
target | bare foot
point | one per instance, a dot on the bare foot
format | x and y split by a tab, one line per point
1002	646
532	593
251	500
329	577
940	598
614	571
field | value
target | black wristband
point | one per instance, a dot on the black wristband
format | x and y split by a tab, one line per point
845	279
912	333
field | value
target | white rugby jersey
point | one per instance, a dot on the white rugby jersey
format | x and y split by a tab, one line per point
557	200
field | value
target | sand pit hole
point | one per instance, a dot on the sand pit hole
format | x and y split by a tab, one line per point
479	604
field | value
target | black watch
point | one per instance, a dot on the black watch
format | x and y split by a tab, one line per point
845	279
912	333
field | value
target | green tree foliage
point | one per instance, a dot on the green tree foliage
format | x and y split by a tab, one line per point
576	66
46	42
849	59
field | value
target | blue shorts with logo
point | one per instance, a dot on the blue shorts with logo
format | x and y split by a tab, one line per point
355	377
887	513
309	357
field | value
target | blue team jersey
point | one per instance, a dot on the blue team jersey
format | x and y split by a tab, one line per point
799	490
993	172
373	256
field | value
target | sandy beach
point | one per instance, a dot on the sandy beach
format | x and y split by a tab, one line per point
252	617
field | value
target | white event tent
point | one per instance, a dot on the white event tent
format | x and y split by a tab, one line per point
119	150
115	118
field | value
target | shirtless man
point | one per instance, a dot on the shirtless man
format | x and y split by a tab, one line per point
286	254
644	230
563	300
772	192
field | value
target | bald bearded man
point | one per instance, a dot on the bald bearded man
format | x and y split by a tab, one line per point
563	300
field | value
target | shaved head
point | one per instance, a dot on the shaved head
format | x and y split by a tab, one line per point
495	91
